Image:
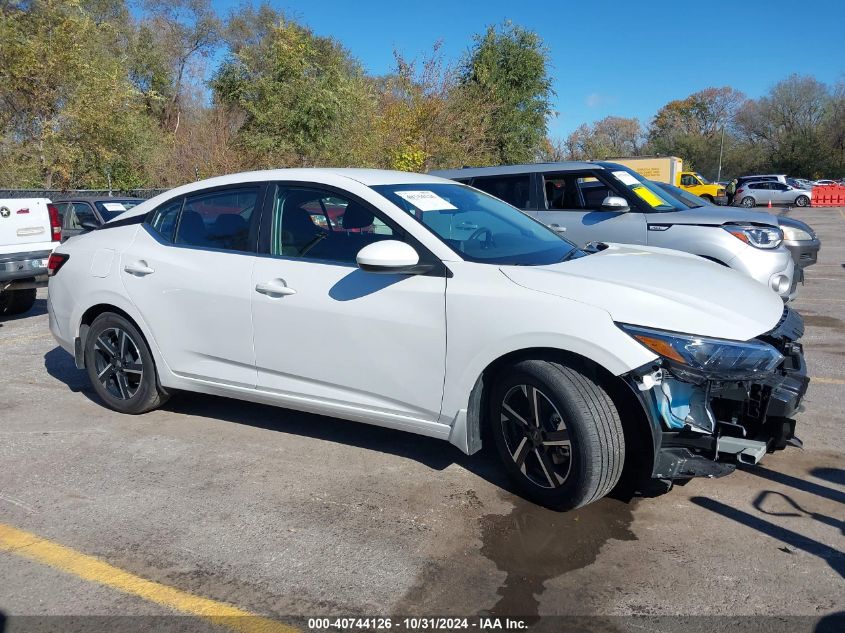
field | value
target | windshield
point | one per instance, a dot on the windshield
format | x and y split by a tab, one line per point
113	208
479	227
647	191
703	180
689	199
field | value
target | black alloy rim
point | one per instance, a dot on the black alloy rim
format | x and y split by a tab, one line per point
536	436
118	363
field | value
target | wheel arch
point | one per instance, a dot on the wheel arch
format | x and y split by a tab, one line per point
638	431
88	317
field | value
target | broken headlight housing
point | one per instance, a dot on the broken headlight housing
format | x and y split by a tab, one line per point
708	357
757	236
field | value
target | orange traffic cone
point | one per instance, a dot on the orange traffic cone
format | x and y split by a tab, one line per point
770	204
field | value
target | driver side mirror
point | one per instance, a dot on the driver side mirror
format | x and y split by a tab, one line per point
615	203
390	257
89	225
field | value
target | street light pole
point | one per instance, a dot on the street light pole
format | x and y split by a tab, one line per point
721	148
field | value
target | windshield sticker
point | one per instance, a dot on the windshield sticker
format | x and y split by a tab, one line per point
426	201
114	206
626	178
649	196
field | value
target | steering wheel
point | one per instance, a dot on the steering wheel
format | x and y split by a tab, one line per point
482	231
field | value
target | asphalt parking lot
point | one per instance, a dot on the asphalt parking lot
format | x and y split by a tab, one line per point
218	504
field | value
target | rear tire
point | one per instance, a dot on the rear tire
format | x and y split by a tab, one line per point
802	201
748	202
120	366
16	301
557	433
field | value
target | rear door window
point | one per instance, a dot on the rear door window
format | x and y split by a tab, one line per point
515	190
219	219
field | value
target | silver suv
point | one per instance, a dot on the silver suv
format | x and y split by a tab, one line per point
750	194
602	201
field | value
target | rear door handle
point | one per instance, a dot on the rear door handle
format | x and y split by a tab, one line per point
139	268
274	288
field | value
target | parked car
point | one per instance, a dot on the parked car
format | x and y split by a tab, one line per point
798	238
824	182
781	178
750	194
451	311
88	212
29	230
607	202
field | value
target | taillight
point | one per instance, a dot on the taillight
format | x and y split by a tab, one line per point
55	223
56	261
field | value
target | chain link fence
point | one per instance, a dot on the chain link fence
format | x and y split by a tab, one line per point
64	194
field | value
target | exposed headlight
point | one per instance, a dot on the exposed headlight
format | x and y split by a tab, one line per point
757	236
708	356
794	234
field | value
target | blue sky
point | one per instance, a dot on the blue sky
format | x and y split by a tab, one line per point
608	57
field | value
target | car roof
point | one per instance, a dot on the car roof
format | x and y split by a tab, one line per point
96	198
319	175
510	170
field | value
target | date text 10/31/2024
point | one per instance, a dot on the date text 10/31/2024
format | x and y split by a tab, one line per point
416	624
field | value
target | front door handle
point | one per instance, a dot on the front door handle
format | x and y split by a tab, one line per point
139	268
558	228
274	288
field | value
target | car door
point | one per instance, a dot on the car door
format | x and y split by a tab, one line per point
331	336
573	207
782	194
188	271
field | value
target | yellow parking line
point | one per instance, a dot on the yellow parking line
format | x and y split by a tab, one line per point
93	569
827	381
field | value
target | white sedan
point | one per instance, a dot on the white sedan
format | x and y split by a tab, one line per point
420	304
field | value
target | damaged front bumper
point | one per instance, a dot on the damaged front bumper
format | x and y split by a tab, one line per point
704	426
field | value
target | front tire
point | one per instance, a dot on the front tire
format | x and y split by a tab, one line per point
749	202
802	201
557	433
120	366
708	198
16	301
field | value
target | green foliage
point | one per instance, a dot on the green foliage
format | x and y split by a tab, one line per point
89	89
70	114
299	93
508	67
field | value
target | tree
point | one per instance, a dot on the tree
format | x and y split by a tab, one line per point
299	94
787	123
54	97
427	120
508	68
172	36
692	127
611	137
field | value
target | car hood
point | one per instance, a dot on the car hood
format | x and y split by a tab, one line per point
712	215
660	288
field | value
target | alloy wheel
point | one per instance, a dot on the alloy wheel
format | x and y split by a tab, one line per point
748	202
118	362
536	436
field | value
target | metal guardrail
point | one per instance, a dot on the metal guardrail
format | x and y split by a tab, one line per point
64	194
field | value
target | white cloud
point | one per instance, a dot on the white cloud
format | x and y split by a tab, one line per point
594	100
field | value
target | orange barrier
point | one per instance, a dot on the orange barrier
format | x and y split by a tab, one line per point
828	196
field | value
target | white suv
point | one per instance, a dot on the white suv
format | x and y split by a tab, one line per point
420	304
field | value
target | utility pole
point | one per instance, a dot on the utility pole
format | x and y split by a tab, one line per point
108	175
721	148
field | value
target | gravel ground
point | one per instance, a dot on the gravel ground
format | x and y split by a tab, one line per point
286	514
